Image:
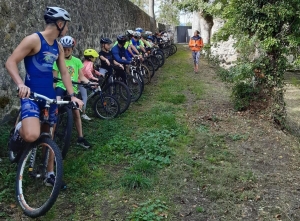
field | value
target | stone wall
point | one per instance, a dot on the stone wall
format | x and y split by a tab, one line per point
91	19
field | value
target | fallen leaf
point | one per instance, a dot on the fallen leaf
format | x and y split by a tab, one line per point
13	206
257	198
278	216
135	206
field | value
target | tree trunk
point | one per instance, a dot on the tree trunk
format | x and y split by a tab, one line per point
151	8
206	24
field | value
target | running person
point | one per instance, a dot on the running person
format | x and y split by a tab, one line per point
39	52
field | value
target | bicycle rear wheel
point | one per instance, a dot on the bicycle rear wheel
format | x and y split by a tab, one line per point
106	107
63	130
121	92
34	197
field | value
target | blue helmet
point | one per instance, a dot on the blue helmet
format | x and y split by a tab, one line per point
150	38
139	30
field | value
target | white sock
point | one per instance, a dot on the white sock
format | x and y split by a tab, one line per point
49	173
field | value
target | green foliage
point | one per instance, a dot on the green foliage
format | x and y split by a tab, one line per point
242	94
168	13
151	146
154	210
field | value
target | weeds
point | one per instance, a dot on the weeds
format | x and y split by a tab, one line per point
150	210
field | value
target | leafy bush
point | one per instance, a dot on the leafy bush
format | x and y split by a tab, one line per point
242	94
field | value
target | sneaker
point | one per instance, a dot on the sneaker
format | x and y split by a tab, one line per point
84	116
83	142
51	180
16	142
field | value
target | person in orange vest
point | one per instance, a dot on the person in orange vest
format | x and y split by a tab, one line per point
196	44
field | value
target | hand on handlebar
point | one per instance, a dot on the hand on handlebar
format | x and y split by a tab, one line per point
78	101
24	91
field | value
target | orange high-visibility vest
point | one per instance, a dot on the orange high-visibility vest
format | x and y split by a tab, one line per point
196	45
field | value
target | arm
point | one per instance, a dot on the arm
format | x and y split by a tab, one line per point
28	46
116	56
81	77
105	59
88	71
118	64
134	49
55	74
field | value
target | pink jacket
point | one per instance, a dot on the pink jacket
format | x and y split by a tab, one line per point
88	69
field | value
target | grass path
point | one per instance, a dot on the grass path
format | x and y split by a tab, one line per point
180	153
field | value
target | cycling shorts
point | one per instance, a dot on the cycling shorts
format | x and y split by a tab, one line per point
30	108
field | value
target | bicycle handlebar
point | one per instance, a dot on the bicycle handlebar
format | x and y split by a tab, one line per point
35	96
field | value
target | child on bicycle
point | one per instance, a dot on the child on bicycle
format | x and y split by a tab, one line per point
74	66
106	58
90	56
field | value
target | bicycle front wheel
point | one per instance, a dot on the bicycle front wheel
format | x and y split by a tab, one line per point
106	107
34	197
120	91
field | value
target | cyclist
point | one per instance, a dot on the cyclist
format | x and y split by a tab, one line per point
39	51
90	56
74	66
106	57
120	55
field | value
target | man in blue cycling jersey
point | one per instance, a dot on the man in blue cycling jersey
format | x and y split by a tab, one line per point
39	51
120	56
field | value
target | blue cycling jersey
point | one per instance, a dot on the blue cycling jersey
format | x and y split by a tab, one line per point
118	53
39	76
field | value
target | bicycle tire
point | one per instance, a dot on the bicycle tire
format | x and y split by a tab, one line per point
161	58
63	130
146	74
174	48
155	62
121	92
106	107
28	195
150	66
135	87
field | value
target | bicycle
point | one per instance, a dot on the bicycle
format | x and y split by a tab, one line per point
33	196
105	106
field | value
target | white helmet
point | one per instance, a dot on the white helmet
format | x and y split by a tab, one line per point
67	42
138	34
130	32
148	32
56	13
165	35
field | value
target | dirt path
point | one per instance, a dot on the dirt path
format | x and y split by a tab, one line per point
272	155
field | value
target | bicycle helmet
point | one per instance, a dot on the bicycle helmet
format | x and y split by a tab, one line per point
129	32
67	42
105	41
91	53
148	32
121	39
53	14
150	38
140	30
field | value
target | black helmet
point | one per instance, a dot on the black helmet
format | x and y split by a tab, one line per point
55	13
121	39
105	41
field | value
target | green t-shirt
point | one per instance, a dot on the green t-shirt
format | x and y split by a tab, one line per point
73	66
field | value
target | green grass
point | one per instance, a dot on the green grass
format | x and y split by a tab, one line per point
144	157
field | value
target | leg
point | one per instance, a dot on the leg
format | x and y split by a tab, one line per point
78	124
84	97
